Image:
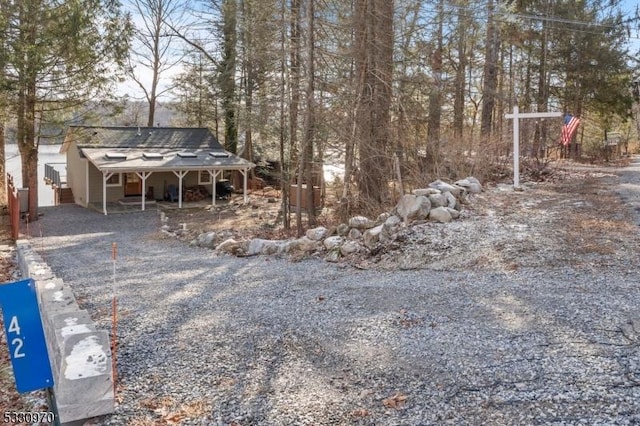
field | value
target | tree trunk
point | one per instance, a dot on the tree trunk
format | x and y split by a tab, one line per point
435	98
374	59
492	47
284	163
309	119
227	77
460	82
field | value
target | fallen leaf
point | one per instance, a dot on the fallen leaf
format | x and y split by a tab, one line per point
360	412
396	401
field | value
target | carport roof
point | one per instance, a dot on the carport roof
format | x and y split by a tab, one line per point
129	160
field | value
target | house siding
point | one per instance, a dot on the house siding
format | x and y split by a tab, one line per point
76	175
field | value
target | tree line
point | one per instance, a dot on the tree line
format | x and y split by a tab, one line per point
398	92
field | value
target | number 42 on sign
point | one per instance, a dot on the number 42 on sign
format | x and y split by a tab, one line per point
25	336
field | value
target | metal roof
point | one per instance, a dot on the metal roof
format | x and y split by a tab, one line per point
185	138
105	147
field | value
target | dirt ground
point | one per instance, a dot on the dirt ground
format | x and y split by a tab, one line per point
573	217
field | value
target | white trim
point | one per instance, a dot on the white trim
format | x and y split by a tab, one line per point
114	185
205	173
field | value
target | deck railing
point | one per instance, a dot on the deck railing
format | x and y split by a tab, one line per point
52	176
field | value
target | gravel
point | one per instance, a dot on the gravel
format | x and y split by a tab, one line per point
264	341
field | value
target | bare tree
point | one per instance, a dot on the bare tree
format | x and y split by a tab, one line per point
155	48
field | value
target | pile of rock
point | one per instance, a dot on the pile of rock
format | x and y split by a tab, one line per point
439	202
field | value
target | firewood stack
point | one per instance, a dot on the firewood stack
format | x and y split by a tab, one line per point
195	193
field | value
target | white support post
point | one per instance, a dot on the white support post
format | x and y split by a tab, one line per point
214	175
245	172
143	176
516	116
180	174
105	177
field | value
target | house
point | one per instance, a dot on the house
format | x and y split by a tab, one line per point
111	164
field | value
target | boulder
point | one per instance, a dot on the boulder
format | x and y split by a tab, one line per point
342	229
453	212
267	247
349	247
440	214
304	244
390	228
371	236
447	187
334	242
317	234
382	217
333	255
452	201
425	191
354	234
232	246
361	223
471	184
207	240
411	207
438	200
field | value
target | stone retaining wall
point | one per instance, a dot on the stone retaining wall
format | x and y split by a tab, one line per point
80	355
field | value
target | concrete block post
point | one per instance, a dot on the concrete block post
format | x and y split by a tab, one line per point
79	354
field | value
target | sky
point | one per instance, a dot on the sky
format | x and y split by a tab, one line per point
129	87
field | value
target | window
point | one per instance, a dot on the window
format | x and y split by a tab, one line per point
114	180
204	177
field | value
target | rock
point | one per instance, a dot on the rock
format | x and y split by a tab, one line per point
267	247
232	246
390	228
440	214
349	247
333	242
165	228
411	207
271	200
354	234
438	200
317	234
425	191
207	240
333	255
342	229
304	244
453	212
361	223
372	236
451	200
471	184
382	217
447	187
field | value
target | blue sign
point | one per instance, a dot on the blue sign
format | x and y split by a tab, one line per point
25	336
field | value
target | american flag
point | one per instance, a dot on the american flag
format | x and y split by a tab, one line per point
569	129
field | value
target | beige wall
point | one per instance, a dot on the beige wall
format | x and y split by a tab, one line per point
76	174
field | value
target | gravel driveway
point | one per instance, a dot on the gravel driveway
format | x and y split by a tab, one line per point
263	341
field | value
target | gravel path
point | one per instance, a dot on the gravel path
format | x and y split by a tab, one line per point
262	341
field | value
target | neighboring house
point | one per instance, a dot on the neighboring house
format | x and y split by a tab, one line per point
109	164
